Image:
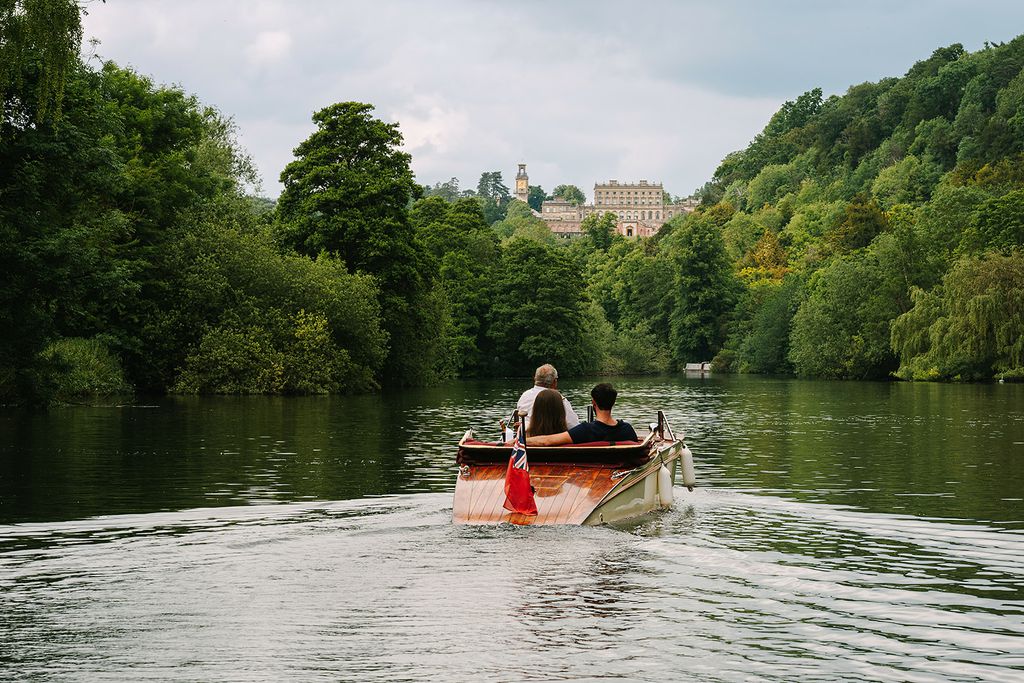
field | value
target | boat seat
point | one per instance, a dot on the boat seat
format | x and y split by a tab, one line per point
621	452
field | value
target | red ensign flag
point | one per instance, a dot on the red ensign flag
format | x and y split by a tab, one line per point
518	492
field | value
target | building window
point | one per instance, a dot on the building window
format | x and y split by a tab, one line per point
629	232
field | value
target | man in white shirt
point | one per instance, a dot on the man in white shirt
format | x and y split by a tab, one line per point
546	377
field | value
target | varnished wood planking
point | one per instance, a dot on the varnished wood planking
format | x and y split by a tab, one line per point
565	494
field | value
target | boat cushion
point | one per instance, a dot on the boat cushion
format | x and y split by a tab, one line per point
621	453
587	444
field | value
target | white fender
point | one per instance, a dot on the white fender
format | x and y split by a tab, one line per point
689	477
665	486
651	491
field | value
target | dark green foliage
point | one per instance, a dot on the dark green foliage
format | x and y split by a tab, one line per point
703	288
491	186
863	220
835	332
127	242
569	193
449	191
464	255
842	329
999	225
493	195
88	202
347	191
315	326
759	337
600	229
346	194
970	327
85	367
538	312
536	196
39	43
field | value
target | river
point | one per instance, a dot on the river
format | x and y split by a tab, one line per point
840	531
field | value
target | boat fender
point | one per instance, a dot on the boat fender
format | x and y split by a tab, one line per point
665	486
686	459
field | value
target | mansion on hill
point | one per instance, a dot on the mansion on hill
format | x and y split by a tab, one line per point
641	207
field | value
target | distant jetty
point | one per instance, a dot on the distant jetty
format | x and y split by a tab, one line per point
698	368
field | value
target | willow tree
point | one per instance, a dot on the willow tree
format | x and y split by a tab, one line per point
39	40
970	327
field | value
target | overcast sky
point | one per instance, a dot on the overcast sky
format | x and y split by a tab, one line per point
580	91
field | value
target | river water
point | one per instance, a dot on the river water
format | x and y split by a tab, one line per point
840	531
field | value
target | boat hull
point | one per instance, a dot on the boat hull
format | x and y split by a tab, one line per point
565	492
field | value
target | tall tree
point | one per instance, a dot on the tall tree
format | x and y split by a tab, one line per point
704	287
536	196
493	195
347	191
491	186
538	312
346	194
600	229
89	203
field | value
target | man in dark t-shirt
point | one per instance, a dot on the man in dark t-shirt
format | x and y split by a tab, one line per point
603	428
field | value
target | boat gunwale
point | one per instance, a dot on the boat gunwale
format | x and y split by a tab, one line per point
604	455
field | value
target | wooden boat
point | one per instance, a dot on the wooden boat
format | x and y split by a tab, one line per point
591	483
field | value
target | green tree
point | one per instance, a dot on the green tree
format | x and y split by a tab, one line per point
519	221
703	287
539	311
347	194
39	43
347	191
863	219
88	205
536	197
971	327
448	191
493	195
842	329
909	181
765	347
249	319
491	186
464	251
600	229
569	193
999	225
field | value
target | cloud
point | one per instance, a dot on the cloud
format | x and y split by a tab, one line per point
269	47
580	91
429	124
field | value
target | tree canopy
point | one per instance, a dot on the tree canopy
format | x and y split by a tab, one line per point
569	193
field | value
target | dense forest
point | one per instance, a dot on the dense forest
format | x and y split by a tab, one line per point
870	235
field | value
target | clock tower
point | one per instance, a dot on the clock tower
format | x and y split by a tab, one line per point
522	184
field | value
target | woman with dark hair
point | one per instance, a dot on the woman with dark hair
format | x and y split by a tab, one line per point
548	414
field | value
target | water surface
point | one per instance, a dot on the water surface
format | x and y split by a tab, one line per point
841	531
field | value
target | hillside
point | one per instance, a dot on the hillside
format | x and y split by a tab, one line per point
880	231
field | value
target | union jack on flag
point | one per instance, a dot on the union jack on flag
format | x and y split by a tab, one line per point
518	492
519	453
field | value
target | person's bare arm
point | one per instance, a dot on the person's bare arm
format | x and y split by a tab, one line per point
549	440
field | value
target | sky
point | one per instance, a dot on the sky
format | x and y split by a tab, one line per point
582	92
